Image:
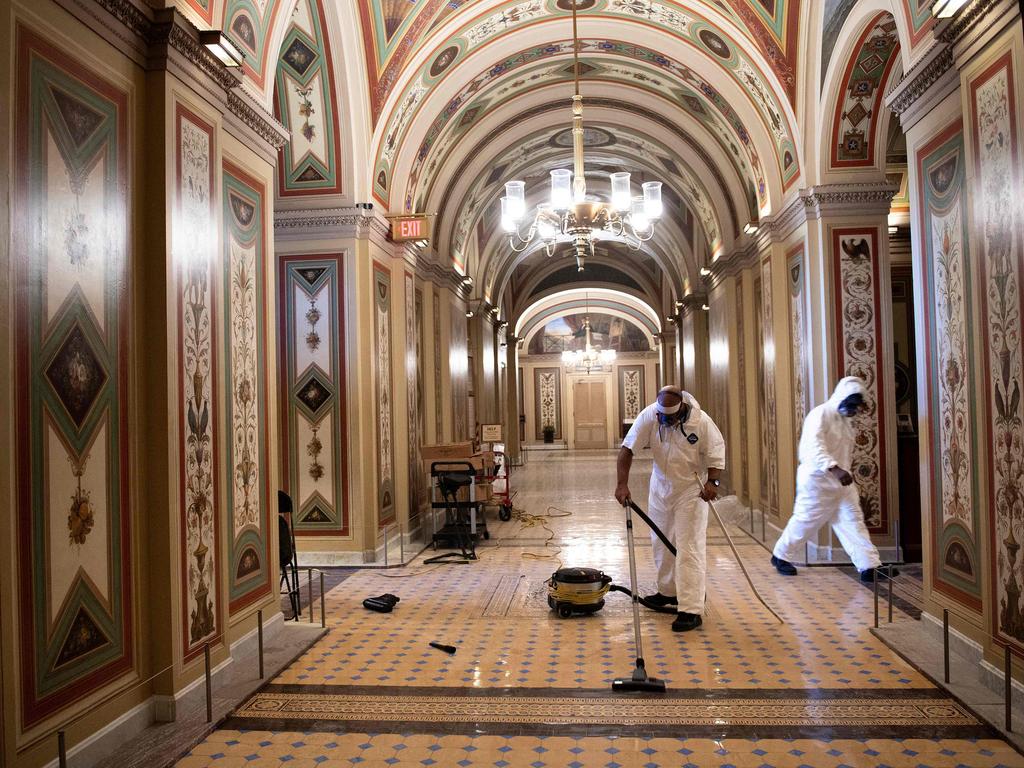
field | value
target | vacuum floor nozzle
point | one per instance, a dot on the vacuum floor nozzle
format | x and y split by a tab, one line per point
628	684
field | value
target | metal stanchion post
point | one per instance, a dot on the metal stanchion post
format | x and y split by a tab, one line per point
209	686
751	519
945	644
899	558
62	751
807	552
310	590
762	527
386	527
259	637
888	576
876	600
401	546
1008	687
323	613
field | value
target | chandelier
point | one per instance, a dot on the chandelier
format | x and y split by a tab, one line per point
588	359
569	215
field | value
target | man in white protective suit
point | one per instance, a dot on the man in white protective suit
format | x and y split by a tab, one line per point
825	490
685	443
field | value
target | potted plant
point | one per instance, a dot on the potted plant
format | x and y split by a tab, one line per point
549	433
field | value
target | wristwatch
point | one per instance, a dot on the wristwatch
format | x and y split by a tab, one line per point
716	482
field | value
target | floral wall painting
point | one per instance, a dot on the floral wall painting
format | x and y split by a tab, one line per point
944	265
857	298
71	311
194	218
245	335
311	345
798	335
384	390
632	393
994	115
548	399
766	383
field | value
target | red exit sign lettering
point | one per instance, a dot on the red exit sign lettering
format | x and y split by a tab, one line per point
410	228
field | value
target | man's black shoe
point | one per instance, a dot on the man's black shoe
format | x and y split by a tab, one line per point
784	567
868	576
659	600
686	621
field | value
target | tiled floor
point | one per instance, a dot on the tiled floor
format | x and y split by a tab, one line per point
526	688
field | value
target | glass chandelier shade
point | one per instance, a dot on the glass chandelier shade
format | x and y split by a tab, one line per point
568	215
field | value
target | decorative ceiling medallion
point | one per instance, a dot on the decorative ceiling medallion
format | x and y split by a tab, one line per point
592	137
299	56
76	375
313	395
443	60
715	44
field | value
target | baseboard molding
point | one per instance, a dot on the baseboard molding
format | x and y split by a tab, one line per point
103	742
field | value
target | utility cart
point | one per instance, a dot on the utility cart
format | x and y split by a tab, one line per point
463	523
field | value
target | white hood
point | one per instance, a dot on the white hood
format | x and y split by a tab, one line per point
851	385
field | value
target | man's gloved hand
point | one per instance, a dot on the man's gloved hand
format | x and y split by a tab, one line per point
622	494
710	492
840	474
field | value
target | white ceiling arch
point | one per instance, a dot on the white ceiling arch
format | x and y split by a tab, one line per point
577	300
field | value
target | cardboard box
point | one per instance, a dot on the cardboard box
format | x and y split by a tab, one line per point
476	461
446	451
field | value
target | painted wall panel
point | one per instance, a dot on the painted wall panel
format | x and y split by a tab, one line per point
195	255
798	335
858	324
71	313
311	349
766	380
996	150
945	274
384	390
245	334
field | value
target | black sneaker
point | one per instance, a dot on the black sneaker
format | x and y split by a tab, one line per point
659	600
686	621
868	576
784	567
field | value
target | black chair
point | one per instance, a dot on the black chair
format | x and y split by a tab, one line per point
287	553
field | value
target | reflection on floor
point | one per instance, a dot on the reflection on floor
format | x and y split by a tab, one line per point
526	688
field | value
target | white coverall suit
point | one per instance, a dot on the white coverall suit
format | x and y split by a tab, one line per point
828	441
674	503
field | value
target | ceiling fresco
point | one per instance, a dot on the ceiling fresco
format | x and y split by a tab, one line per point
248	23
304	101
683	25
438	147
394	30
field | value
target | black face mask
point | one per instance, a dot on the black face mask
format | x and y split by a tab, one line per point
851	405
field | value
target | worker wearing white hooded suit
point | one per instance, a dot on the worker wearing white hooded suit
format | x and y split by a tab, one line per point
685	443
826	492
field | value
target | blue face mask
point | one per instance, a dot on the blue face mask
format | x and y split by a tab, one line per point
677	419
851	405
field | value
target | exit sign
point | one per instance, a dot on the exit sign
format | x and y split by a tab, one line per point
405	228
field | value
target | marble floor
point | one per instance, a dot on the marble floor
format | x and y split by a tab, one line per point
526	688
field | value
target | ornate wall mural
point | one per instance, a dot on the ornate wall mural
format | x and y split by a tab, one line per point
203	9
547	398
195	252
458	361
421	405
718	405
773	25
305	102
944	265
71	312
412	365
993	105
245	335
568	333
798	336
632	392
248	23
438	374
858	327
859	110
384	389
741	374
769	417
311	344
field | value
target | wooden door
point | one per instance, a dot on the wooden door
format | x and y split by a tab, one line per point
590	417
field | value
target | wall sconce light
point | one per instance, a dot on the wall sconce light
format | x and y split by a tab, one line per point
750	228
893	230
671	318
704	271
469	313
705	307
217	43
467	280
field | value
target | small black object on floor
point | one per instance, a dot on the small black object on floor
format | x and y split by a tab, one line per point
442	647
383	604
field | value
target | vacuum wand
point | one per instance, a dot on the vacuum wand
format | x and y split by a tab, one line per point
737	555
